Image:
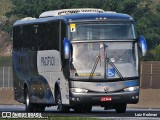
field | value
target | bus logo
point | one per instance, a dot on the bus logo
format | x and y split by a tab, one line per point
48	61
106	89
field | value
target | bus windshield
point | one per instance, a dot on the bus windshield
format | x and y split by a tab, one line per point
89	58
105	31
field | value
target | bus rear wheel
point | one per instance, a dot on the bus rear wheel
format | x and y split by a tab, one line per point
29	106
121	108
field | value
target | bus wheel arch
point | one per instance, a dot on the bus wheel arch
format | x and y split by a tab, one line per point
28	105
25	91
58	100
56	90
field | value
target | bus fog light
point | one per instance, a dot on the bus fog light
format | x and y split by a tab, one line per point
73	99
129	89
78	99
78	90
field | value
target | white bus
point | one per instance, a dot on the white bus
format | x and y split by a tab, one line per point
76	59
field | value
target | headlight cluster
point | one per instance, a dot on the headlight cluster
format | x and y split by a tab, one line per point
130	89
78	90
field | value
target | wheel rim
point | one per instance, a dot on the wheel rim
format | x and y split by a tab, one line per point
27	101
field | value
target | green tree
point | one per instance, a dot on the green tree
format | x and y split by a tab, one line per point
156	53
33	8
6	23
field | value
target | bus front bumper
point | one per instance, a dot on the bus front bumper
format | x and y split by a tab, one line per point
104	98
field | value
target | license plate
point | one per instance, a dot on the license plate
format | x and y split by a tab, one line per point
102	99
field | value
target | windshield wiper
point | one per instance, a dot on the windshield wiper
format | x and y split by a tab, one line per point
94	67
116	69
111	63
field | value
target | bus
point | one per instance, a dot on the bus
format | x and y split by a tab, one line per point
76	59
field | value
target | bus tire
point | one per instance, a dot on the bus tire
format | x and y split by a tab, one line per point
39	108
87	109
42	109
78	110
61	107
29	107
121	108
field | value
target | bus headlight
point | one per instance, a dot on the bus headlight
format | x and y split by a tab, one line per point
130	89
78	90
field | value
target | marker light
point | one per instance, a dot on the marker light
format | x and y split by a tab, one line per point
66	48
78	90
130	89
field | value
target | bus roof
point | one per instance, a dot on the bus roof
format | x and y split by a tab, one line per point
70	11
106	16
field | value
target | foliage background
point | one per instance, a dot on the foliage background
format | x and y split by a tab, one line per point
145	12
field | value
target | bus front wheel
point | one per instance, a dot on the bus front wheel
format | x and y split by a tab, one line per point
84	109
87	109
121	108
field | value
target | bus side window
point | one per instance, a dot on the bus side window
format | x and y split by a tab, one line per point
55	36
40	37
25	43
36	30
50	43
63	35
30	35
18	39
15	38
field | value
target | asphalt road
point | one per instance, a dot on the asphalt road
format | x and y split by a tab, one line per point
97	112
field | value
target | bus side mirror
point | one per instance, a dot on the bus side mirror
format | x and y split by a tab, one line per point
143	45
66	44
